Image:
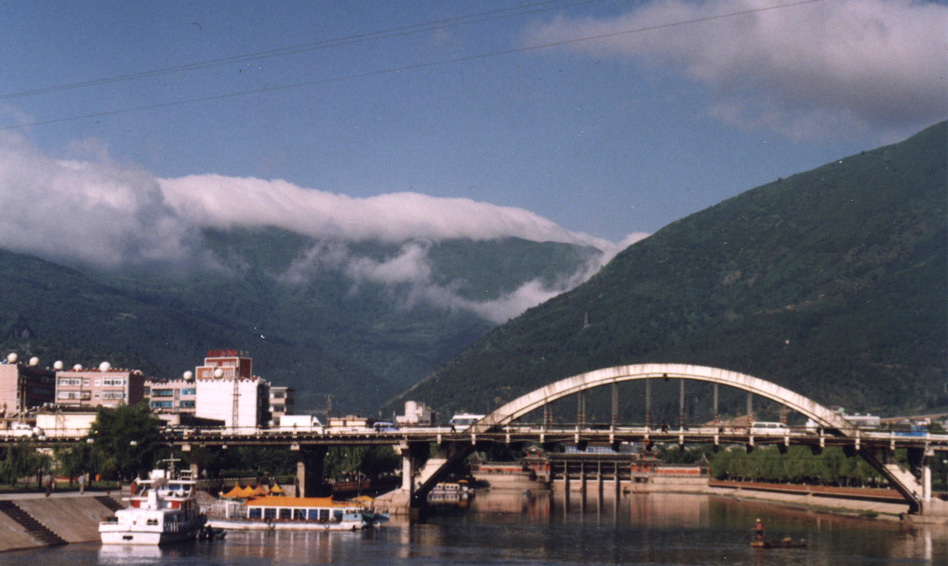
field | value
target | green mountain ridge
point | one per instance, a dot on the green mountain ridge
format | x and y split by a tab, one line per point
833	283
317	332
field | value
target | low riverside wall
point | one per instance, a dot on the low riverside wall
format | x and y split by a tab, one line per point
74	518
884	502
854	500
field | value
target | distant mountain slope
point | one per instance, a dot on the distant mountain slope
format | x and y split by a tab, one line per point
833	283
302	309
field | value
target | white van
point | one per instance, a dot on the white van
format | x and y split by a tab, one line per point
763	428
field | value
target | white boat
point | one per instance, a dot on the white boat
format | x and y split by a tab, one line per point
298	514
164	511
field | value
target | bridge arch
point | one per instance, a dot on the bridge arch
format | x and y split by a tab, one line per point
528	403
902	480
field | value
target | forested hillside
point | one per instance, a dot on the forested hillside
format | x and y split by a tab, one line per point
286	299
833	283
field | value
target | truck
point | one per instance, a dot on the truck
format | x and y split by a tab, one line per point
300	423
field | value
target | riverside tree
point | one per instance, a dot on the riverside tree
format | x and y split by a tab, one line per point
126	440
20	460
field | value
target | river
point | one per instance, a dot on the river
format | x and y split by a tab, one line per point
530	529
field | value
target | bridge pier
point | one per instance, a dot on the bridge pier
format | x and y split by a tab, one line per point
309	469
420	473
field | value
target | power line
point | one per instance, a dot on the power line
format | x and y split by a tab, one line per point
480	17
404	68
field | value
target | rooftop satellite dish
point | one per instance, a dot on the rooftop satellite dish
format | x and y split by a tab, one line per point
218	373
77	367
12	358
34	361
105	366
58	365
188	376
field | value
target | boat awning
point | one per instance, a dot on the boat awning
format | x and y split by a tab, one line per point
235	492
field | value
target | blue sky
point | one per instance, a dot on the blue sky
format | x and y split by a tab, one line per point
386	116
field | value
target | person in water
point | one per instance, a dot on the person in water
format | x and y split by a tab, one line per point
759	529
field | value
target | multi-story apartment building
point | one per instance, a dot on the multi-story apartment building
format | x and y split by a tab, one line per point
174	396
102	387
25	386
227	390
282	401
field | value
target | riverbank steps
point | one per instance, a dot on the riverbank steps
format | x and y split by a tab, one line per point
71	517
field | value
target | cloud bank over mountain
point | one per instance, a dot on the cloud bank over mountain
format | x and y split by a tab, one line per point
223	202
808	70
96	212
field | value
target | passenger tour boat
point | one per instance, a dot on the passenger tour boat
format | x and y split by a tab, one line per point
298	514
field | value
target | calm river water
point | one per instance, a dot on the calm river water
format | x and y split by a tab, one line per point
526	529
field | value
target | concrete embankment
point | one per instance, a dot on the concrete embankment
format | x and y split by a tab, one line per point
70	518
883	502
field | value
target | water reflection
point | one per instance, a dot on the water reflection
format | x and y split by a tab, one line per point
535	528
717	530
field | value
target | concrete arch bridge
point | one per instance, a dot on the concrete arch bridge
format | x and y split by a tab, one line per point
877	448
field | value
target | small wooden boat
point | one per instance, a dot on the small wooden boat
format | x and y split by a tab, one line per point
785	542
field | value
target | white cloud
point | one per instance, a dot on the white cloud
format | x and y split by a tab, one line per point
409	266
214	200
84	212
94	211
805	70
408	276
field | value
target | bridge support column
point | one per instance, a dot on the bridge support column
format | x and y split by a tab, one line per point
566	485
618	484
615	404
648	404
681	404
581	409
714	410
309	470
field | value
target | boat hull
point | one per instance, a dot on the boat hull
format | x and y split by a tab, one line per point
118	534
241	525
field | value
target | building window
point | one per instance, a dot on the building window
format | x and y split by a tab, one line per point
75	395
113	381
161	404
113	394
162	392
189	391
70	382
187	404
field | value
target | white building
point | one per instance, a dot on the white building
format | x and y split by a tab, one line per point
416	414
228	391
